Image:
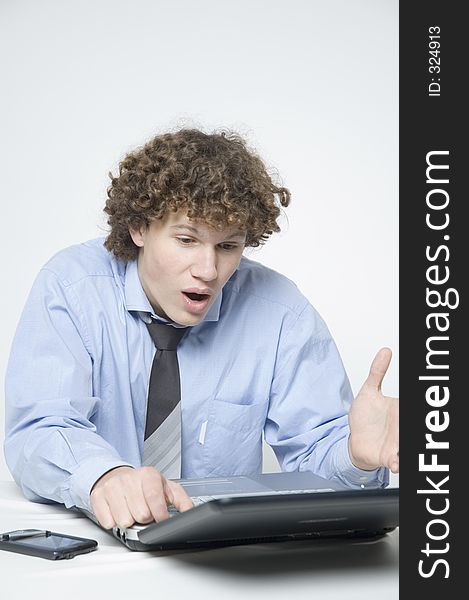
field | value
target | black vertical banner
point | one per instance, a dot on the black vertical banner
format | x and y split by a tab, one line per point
434	236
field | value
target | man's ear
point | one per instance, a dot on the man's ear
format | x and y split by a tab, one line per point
138	236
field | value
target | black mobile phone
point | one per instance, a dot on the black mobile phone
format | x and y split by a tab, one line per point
45	544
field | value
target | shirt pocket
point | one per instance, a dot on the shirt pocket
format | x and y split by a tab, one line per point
233	438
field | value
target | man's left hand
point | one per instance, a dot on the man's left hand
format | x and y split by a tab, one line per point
374	421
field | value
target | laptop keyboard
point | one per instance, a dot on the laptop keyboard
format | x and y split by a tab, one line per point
203	499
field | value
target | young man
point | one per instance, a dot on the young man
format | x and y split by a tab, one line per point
255	356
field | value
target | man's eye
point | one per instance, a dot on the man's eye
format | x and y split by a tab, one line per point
185	241
228	246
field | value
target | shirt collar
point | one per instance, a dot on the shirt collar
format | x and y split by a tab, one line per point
136	299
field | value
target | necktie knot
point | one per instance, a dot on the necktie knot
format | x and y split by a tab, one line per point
166	337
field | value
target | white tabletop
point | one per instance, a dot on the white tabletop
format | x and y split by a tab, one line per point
317	569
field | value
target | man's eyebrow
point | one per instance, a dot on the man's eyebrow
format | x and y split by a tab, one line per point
236	234
186	227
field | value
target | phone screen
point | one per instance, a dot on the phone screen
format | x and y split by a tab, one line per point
55	543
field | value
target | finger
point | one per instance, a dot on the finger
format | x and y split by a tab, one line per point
395	463
101	510
137	503
153	491
117	501
177	496
378	368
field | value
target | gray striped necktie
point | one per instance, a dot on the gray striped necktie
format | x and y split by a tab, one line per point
162	442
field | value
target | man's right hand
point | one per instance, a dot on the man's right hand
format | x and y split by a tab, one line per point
126	495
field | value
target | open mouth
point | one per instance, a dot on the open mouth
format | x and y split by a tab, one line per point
196	303
196	297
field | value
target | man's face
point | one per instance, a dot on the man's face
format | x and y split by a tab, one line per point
183	265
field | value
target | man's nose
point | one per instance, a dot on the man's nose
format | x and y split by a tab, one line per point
205	265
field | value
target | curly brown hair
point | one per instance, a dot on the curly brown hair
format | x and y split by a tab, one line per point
214	177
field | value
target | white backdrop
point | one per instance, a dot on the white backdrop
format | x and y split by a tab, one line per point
312	84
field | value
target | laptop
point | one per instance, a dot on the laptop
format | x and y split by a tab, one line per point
270	507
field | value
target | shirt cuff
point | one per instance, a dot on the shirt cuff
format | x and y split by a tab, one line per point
85	476
351	475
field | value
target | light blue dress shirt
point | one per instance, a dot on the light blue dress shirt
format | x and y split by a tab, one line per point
262	360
